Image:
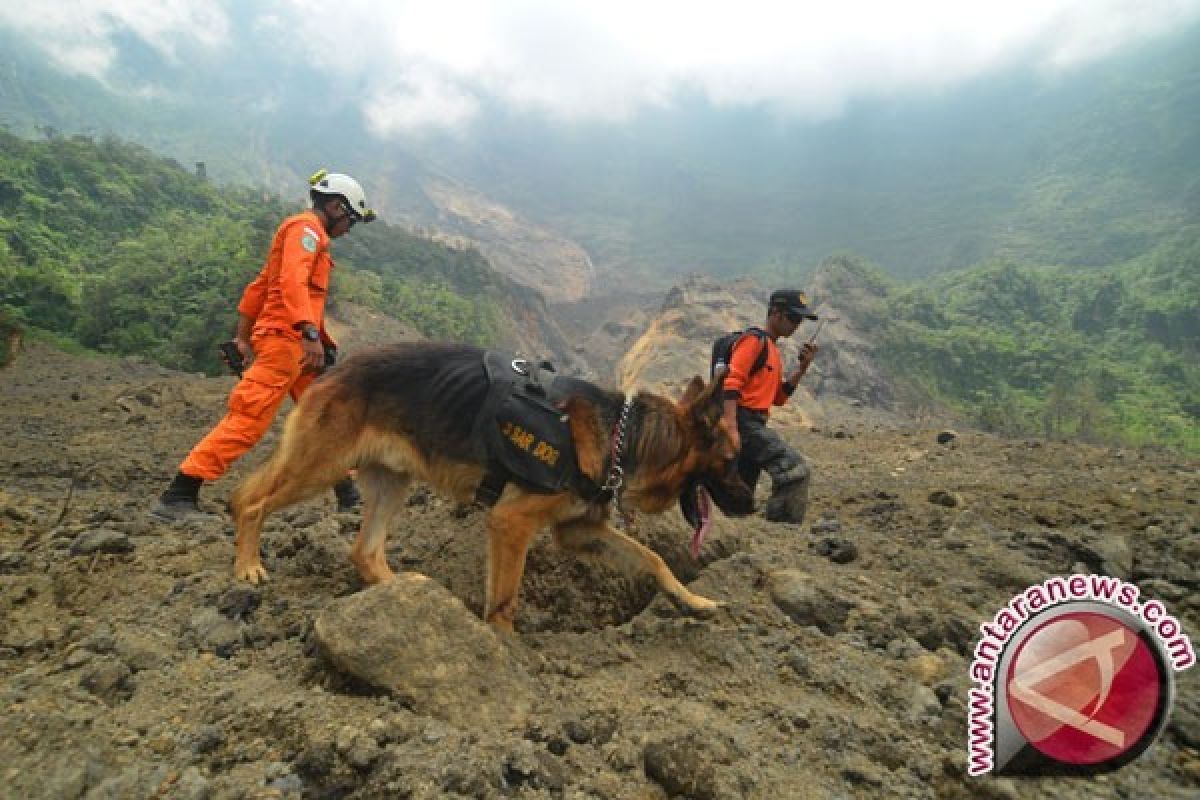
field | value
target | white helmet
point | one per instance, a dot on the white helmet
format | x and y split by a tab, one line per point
345	187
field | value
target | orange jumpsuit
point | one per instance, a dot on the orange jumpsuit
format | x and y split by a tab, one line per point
290	289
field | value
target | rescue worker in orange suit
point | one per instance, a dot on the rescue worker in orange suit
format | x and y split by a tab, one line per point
749	396
281	335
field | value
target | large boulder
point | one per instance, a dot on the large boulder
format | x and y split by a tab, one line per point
415	639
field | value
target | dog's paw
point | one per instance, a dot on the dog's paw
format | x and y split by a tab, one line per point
252	573
703	608
693	605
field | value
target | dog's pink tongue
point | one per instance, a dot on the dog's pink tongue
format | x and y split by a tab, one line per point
705	508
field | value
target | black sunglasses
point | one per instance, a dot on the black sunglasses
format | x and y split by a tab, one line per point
793	317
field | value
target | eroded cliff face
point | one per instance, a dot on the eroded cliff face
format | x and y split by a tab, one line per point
677	344
530	329
526	252
677	341
849	367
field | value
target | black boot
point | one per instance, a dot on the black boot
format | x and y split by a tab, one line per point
789	502
788	505
348	497
789	493
180	502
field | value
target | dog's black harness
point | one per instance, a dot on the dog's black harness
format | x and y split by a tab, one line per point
528	437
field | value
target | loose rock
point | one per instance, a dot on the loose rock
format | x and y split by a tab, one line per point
837	549
108	679
101	541
682	768
214	633
415	639
793	592
940	497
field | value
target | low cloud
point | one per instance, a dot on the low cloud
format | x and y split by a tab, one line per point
80	37
419	100
418	65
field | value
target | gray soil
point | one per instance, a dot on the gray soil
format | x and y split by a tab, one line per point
132	665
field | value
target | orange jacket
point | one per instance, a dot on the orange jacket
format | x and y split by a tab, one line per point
764	388
293	283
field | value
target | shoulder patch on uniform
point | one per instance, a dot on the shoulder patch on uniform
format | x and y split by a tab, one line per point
312	232
309	242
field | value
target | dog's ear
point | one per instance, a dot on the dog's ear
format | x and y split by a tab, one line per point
694	389
705	403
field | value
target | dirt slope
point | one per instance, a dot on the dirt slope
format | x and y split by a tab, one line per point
131	665
528	253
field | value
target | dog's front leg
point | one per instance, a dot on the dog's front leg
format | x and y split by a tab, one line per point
248	513
601	541
511	527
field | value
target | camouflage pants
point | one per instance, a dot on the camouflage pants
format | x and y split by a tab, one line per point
764	449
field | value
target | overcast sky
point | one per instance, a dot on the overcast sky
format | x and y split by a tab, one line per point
430	64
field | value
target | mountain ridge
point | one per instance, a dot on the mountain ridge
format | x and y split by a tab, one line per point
1087	169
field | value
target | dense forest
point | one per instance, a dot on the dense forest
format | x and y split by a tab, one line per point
108	246
1107	355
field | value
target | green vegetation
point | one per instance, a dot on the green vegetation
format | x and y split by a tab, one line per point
124	252
106	245
1108	355
441	291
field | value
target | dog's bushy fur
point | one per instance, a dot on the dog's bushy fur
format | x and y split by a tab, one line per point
406	412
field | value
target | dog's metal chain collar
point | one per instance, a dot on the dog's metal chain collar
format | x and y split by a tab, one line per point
616	474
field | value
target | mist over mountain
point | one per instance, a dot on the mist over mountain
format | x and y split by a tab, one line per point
1090	167
1038	228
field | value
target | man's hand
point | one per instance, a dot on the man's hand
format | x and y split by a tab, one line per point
313	359
245	348
808	351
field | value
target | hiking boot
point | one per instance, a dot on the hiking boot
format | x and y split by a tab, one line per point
788	504
180	502
348	497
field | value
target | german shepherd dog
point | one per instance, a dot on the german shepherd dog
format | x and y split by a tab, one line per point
406	411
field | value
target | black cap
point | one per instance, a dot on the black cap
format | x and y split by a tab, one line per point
791	301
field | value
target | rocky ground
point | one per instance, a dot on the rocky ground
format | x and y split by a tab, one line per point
131	665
